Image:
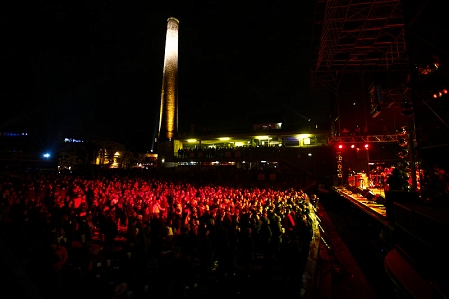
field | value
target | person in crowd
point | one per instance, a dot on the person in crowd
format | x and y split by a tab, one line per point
247	249
61	253
177	270
110	232
132	230
265	236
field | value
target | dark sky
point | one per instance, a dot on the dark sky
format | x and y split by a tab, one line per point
93	69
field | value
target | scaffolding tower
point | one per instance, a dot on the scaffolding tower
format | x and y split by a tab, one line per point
356	36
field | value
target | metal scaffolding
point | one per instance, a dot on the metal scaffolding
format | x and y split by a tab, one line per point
365	139
357	36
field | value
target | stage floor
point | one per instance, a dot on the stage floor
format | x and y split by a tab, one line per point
372	207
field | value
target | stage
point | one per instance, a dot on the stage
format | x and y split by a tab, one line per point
370	201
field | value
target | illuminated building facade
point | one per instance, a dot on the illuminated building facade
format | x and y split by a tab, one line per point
168	119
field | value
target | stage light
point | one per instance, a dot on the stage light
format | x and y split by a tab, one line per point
445	91
402	142
435	95
366	146
340	146
403	154
440	94
352	145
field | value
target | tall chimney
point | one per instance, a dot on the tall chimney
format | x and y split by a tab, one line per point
168	120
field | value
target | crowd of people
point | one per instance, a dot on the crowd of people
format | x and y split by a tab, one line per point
154	232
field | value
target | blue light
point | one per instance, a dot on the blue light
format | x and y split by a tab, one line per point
47	155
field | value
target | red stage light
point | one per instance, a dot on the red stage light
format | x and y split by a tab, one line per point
340	146
445	91
366	146
352	146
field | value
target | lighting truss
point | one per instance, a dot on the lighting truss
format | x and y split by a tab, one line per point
362	139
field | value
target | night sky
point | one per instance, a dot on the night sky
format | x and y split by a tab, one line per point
93	69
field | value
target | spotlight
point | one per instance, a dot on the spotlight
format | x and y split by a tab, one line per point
340	146
403	154
366	146
403	131
402	141
352	145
